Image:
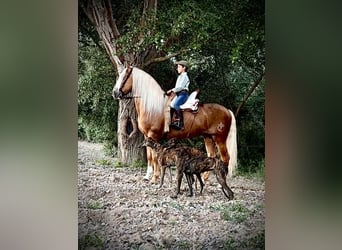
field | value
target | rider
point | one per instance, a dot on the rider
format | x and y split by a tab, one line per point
182	91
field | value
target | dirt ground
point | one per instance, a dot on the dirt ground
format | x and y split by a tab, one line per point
119	210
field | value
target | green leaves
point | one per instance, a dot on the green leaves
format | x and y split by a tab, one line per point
96	107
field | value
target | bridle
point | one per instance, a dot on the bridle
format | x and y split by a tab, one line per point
124	80
127	75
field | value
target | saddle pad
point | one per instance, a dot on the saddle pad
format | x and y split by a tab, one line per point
191	103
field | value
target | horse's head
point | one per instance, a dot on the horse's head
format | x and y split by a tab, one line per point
123	84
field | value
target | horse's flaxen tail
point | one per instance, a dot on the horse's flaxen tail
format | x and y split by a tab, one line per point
231	143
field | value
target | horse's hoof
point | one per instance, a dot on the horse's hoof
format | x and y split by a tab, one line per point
155	180
206	176
147	177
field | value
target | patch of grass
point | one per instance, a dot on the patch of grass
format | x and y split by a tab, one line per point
90	241
110	148
176	205
172	222
138	164
184	245
104	162
119	164
95	205
256	242
254	172
134	246
218	207
236	212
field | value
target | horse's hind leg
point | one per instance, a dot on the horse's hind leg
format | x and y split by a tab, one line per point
210	148
222	148
221	175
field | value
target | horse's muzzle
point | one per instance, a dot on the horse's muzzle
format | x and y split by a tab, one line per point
117	94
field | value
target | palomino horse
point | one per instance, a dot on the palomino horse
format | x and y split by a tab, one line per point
212	121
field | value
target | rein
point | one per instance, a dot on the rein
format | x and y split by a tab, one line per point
127	75
130	97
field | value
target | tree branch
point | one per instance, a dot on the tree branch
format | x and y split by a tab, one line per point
256	83
164	58
111	19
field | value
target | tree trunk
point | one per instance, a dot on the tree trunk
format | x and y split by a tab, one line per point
129	136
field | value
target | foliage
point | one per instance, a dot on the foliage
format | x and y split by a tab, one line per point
96	107
104	162
235	212
255	242
95	205
90	241
138	164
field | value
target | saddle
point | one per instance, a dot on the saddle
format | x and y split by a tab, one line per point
191	103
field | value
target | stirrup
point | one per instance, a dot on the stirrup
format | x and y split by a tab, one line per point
176	126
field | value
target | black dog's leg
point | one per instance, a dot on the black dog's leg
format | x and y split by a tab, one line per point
190	180
162	176
200	181
179	180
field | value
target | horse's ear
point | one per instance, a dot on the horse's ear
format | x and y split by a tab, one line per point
120	68
119	64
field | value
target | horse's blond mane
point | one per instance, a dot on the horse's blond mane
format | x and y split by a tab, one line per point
148	90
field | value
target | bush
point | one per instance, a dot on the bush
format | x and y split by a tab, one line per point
97	113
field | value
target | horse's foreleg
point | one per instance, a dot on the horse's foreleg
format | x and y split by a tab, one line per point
149	171
210	148
155	177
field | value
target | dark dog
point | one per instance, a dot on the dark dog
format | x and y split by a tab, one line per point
171	154
195	165
166	158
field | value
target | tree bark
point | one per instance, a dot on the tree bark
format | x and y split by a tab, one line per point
100	15
129	136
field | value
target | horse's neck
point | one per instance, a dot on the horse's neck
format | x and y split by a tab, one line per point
149	92
146	109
